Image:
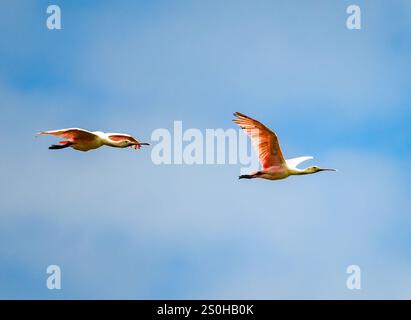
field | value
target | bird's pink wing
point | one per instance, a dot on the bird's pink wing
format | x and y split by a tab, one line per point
120	137
264	140
72	134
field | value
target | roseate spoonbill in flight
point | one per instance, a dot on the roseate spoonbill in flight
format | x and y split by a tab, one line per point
85	140
274	167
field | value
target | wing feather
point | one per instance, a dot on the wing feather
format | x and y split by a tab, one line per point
264	140
121	137
72	134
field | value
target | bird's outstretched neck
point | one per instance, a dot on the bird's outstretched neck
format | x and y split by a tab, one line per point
297	172
309	170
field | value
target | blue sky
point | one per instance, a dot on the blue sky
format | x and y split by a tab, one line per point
122	227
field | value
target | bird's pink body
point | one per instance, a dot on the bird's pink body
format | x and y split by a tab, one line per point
275	173
84	140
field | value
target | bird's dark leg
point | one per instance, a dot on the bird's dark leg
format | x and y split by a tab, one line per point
246	176
60	146
250	176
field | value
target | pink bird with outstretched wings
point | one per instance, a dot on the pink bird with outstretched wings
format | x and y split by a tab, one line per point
84	140
273	164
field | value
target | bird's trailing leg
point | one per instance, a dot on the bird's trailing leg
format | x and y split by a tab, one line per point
250	176
246	176
62	145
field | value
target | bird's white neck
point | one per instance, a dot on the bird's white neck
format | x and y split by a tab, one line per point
296	171
106	140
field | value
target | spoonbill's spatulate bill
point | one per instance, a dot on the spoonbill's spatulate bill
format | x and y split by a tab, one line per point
85	140
274	167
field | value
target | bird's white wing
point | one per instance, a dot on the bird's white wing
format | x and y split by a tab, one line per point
294	162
